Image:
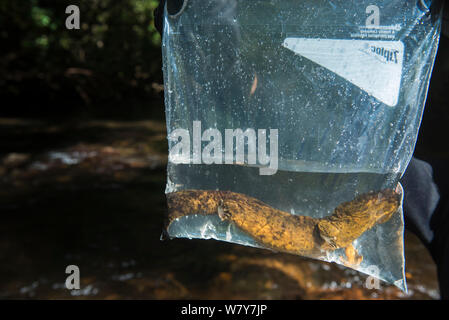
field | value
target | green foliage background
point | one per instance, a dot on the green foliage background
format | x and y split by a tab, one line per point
47	69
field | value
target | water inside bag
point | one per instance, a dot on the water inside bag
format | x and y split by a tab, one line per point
332	91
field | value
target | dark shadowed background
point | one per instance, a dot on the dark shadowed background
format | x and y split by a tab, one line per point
82	171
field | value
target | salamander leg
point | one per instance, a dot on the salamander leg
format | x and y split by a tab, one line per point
353	258
222	211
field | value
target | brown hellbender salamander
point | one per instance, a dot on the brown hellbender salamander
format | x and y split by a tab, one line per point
282	231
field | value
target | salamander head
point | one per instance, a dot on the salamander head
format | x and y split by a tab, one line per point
351	219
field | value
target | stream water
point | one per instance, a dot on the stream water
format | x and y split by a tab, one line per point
92	194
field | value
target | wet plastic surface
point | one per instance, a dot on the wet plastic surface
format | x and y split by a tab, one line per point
343	83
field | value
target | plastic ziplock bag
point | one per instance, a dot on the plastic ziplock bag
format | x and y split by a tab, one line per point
291	122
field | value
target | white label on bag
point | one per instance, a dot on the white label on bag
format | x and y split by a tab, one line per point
375	66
